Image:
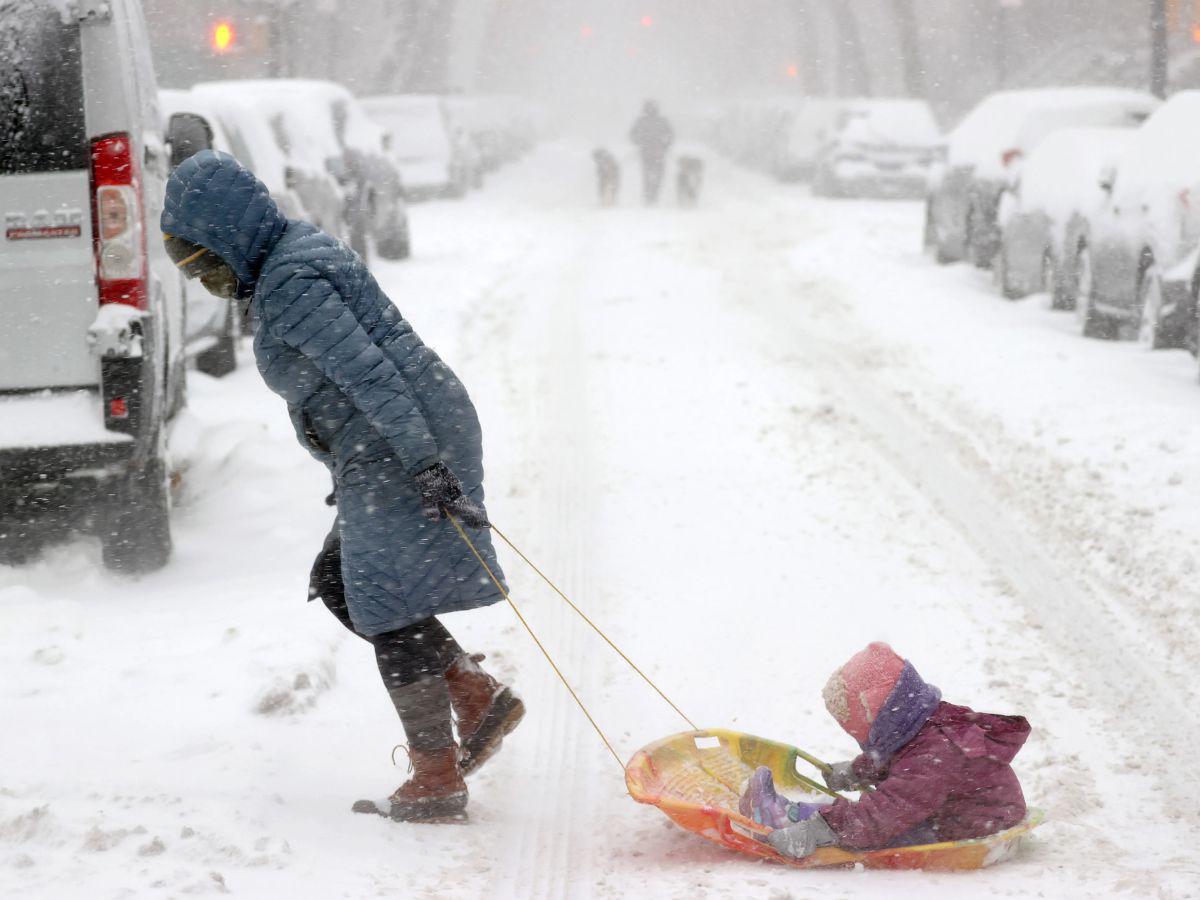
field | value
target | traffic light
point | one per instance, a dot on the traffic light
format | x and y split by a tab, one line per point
223	36
647	21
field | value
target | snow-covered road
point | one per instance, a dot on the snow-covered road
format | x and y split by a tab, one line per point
747	439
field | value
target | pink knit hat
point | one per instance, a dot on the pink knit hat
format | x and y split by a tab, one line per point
857	691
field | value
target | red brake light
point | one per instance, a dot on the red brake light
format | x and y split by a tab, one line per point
1008	157
118	233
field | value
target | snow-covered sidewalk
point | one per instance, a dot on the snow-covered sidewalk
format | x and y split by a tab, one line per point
748	439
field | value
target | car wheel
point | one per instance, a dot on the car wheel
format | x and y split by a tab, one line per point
1092	323
1054	282
980	256
1156	329
136	531
1001	275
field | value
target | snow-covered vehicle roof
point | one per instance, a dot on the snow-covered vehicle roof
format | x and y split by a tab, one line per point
417	123
1015	121
303	135
1062	174
249	133
1165	152
903	122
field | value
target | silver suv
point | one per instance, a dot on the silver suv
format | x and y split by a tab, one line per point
92	338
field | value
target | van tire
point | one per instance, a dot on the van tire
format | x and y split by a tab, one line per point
19	544
135	536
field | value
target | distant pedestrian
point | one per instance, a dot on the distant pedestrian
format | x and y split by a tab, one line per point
608	176
688	180
653	136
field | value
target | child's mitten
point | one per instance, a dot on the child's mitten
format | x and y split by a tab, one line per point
803	838
842	777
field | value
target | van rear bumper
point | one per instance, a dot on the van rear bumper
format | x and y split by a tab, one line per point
42	464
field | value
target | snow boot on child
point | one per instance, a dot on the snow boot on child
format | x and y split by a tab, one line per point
762	803
485	709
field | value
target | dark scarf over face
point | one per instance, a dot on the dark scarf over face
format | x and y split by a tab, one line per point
908	707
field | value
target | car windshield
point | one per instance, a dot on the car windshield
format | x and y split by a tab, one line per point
41	90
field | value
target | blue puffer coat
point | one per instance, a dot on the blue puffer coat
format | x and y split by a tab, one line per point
366	397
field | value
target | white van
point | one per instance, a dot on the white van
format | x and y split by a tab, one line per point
91	313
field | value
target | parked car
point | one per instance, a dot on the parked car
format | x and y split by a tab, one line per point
333	158
252	141
878	148
985	152
422	144
301	139
1147	231
212	324
803	130
91	328
1046	217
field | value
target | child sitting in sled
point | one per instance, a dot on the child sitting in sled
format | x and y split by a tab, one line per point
939	772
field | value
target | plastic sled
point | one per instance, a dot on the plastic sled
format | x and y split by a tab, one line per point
696	778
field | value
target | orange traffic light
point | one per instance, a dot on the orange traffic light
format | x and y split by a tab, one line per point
223	37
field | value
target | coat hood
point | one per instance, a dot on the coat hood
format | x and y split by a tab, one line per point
216	202
977	734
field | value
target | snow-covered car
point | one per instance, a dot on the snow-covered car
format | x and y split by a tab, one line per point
251	139
878	147
212	323
802	130
422	144
1146	232
92	355
301	137
1046	215
333	157
985	152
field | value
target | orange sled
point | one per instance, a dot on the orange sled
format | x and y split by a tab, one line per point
696	778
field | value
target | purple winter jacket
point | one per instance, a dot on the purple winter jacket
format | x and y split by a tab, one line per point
950	782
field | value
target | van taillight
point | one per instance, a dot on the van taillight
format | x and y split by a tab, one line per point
118	232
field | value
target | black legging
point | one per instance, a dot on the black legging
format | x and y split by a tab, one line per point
405	655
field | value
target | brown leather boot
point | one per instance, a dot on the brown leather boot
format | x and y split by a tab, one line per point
436	790
485	709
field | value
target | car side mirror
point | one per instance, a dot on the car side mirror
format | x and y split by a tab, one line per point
187	134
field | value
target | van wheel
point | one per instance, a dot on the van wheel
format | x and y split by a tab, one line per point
135	535
221	358
19	543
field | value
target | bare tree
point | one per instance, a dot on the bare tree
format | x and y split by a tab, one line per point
854	77
811	69
420	62
910	48
1158	47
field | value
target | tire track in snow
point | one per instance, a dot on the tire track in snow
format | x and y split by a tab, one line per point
546	854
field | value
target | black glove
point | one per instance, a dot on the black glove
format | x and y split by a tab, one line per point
441	493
